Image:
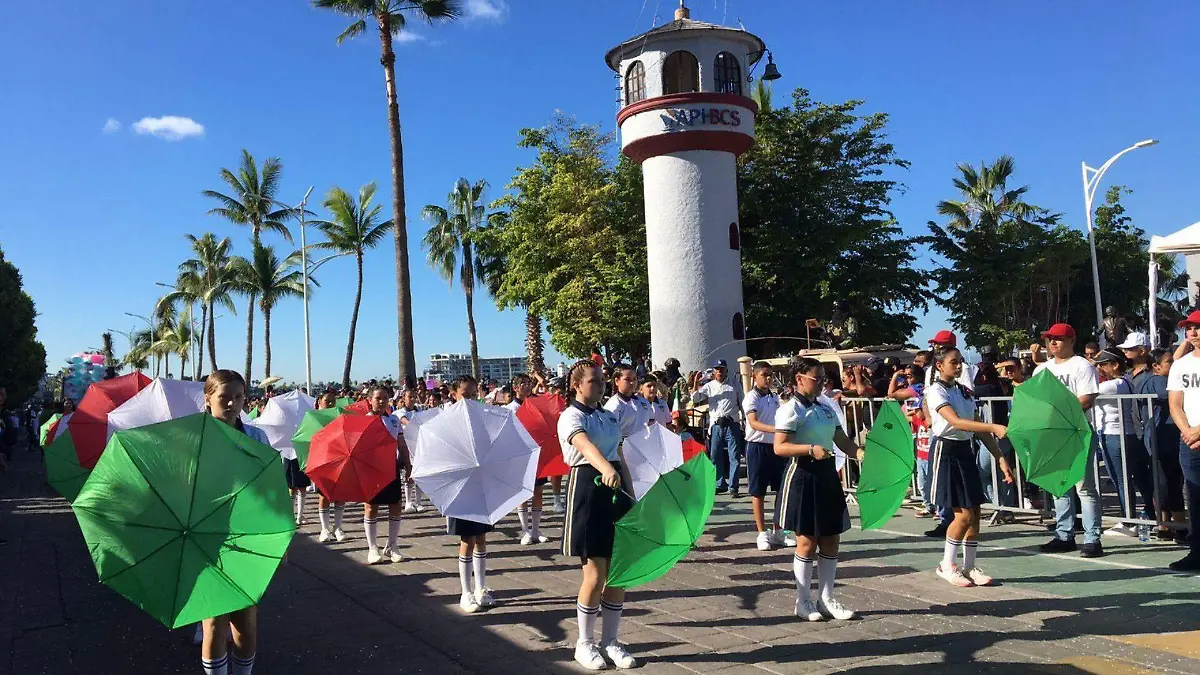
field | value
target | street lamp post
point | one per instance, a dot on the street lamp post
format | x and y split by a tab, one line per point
300	210
1091	182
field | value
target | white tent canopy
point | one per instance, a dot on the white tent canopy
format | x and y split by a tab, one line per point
1185	242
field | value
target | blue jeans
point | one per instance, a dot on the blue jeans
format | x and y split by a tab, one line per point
924	478
724	445
1008	495
1137	463
1089	502
1189	461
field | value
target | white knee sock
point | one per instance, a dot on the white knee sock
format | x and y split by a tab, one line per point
535	523
240	666
369	526
217	666
586	616
393	530
323	516
969	548
300	503
610	613
339	510
523	516
826	573
802	568
480	569
408	495
464	573
950	553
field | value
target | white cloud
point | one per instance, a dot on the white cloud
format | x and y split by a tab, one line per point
169	127
408	37
486	10
111	126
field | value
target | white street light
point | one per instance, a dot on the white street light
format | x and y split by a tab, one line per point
1091	182
300	209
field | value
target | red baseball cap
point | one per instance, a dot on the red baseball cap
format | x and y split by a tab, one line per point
944	337
1060	330
1192	319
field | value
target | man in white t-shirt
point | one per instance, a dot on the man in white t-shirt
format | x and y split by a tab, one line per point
1079	375
1183	387
724	429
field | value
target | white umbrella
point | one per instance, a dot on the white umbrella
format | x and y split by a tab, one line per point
413	427
839	457
61	428
649	453
160	401
476	462
280	419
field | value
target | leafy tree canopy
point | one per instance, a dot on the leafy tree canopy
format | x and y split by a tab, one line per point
22	357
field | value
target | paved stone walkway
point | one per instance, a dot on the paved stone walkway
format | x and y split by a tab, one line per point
725	609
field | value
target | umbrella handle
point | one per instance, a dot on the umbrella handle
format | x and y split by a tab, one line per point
600	483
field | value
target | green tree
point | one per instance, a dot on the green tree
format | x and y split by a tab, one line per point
353	228
166	322
176	339
212	273
251	202
390	18
266	277
449	246
22	357
111	364
1123	258
138	356
816	226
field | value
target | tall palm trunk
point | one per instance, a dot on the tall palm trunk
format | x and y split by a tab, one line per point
166	363
200	346
468	282
407	362
212	339
353	324
534	347
267	341
250	336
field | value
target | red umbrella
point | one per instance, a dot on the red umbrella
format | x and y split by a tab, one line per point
89	425
359	408
352	458
539	416
692	448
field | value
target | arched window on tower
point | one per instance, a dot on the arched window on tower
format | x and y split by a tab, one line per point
635	83
739	326
728	74
735	237
681	73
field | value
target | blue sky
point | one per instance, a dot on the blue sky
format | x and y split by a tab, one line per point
95	212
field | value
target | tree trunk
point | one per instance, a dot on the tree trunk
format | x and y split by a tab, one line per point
267	342
406	363
470	293
353	324
249	337
534	347
166	364
212	339
203	331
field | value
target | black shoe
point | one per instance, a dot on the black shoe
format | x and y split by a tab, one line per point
1091	550
939	531
1183	538
1189	563
1057	545
722	490
735	494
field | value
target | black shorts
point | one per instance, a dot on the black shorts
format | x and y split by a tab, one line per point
466	528
393	492
811	501
589	524
956	483
296	479
764	469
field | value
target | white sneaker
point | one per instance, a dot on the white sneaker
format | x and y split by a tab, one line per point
468	603
954	575
339	535
410	508
833	609
620	656
527	539
1122	530
789	540
300	521
311	489
587	654
978	578
324	536
807	610
373	557
420	507
765	541
483	597
542	539
392	554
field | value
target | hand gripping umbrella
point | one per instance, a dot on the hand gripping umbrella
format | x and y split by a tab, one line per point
352	458
46	427
650	453
887	467
539	415
475	462
281	418
663	525
89	425
63	471
188	519
1050	433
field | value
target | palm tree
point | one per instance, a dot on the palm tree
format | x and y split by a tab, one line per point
138	356
166	321
987	200
491	264
391	16
354	228
450	235
252	203
214	273
111	364
177	340
264	276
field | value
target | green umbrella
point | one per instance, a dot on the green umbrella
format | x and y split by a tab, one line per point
63	471
253	414
45	429
343	401
314	421
661	528
887	467
1050	433
188	518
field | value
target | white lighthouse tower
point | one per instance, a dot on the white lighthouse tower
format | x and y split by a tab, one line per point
685	119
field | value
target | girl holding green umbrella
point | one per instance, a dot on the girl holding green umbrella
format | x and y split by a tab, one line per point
956	483
224	397
811	502
591	440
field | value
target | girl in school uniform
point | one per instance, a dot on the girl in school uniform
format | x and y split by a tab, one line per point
528	513
811	502
331	528
956	483
472	535
392	494
591	440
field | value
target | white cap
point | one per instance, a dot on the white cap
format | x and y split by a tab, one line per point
1134	340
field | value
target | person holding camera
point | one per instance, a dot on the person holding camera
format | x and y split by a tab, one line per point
724	428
